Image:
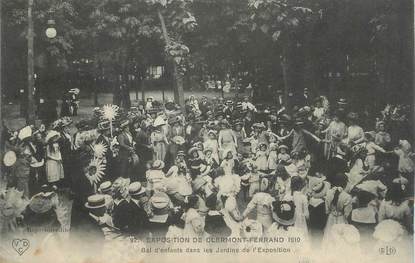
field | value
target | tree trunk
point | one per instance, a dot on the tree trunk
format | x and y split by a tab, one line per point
30	109
177	76
284	66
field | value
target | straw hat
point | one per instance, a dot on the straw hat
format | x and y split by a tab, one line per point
42	202
105	187
136	189
159	121
178	140
160	205
52	135
9	158
95	201
158	165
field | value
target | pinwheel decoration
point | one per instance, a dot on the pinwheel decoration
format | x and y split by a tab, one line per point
109	112
100	150
95	171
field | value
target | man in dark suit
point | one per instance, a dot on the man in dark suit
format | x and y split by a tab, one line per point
138	222
125	140
304	99
204	106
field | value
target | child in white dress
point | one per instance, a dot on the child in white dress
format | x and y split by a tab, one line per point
273	156
261	157
301	204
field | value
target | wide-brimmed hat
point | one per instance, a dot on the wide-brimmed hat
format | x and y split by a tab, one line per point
95	201
9	158
160	206
66	121
259	126
207	149
41	204
105	187
318	186
192	150
282	146
178	140
159	121
158	165
283	212
42	201
103	126
136	189
212	132
52	135
181	153
25	133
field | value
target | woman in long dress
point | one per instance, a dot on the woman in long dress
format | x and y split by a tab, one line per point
355	133
159	142
335	133
226	139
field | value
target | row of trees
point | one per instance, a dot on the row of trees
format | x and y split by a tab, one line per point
290	44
